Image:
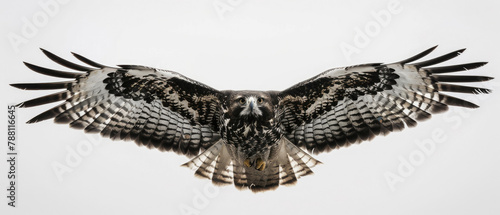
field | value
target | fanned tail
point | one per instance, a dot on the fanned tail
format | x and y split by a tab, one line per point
220	164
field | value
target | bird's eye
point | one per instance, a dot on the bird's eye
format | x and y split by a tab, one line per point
242	100
260	100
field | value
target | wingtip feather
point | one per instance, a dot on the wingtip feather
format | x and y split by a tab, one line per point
418	56
88	61
17	85
65	62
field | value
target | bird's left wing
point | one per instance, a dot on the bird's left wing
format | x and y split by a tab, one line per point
348	105
156	108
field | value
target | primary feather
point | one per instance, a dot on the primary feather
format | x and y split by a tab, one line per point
348	105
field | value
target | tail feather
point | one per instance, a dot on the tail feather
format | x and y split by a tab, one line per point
221	164
222	173
203	163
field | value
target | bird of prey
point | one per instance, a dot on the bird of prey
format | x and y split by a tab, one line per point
255	140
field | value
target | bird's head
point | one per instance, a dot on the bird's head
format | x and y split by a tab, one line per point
251	105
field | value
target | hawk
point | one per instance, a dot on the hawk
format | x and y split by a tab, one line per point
255	140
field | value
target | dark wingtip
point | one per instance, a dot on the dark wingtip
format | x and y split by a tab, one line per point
439	59
473	106
51	72
65	63
431	49
20	105
27	64
460	51
41	86
45	52
18	86
32	121
418	56
31	66
88	61
476	65
480	64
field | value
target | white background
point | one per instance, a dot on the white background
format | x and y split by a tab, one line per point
253	45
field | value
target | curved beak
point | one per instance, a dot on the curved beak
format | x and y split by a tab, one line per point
251	108
252	105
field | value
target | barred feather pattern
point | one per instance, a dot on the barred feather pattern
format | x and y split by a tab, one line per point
165	110
349	105
155	108
220	164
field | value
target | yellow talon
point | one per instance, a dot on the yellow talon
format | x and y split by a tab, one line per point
260	164
247	163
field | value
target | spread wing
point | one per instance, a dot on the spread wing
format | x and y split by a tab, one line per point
348	105
155	108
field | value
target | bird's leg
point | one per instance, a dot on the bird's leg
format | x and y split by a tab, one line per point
260	164
247	162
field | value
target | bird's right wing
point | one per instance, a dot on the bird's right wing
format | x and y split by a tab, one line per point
348	105
156	108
